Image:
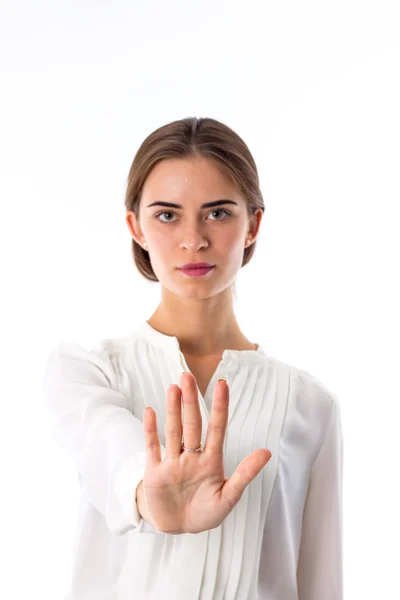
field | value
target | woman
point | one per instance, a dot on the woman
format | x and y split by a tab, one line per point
248	506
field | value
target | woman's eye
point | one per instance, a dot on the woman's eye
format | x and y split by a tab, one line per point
165	212
221	210
170	212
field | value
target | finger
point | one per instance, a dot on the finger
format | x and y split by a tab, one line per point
192	420
245	472
173	422
151	439
218	419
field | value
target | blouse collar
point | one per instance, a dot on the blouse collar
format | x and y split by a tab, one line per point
171	343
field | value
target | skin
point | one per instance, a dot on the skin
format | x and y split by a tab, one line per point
197	310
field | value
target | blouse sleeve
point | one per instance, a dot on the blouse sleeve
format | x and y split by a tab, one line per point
92	423
320	563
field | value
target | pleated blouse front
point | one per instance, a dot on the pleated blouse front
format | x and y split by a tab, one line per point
282	541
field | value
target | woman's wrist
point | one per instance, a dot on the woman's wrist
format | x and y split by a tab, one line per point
140	502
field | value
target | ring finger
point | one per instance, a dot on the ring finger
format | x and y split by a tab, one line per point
192	421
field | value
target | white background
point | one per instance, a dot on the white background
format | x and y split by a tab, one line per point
313	89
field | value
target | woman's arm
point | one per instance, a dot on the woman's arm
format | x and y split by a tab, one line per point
91	421
320	564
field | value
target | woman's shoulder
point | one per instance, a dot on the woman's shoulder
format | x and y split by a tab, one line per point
86	359
308	393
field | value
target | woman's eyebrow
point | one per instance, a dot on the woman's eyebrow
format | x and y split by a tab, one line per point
206	205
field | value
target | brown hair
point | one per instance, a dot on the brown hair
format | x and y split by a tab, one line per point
185	138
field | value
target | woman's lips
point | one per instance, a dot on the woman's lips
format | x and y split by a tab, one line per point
197	272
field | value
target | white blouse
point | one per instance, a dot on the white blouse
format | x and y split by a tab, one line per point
282	541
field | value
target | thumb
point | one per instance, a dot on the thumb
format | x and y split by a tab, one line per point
245	472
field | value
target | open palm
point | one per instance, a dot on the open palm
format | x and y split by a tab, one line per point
188	492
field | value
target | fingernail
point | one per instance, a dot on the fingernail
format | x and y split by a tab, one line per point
222	379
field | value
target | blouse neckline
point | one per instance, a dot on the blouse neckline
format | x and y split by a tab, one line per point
171	343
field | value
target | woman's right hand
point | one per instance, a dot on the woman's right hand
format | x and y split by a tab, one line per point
187	492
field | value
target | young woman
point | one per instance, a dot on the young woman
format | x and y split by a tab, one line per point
229	485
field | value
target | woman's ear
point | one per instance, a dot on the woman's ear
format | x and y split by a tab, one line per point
135	229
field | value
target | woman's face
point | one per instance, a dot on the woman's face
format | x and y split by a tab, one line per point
192	233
